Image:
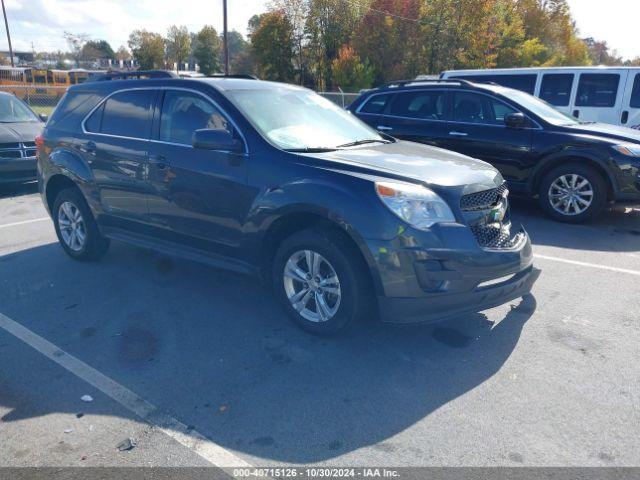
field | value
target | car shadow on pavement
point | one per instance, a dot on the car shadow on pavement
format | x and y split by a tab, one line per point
616	229
214	350
11	190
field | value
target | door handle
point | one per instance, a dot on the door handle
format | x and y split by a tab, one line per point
382	128
576	113
458	134
90	148
625	117
158	161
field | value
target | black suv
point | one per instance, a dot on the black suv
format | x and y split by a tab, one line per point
273	180
573	167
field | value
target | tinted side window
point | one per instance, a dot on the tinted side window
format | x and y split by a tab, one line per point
597	90
183	113
524	82
635	93
470	108
376	104
556	88
128	114
94	122
421	105
499	111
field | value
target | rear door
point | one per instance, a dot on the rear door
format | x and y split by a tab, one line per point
417	116
114	142
477	129
630	116
599	96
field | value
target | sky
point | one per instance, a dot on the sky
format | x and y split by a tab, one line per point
43	22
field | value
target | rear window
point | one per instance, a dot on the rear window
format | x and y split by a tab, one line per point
635	93
126	114
78	103
523	82
597	90
556	88
421	105
376	104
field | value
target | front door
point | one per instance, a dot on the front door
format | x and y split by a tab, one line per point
477	129
114	143
197	196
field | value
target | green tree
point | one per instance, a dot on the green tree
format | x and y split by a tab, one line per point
272	47
97	49
349	72
207	50
147	48
178	45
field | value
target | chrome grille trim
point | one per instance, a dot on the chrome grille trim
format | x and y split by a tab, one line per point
483	200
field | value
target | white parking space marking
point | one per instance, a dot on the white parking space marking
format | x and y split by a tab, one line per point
24	222
148	412
586	264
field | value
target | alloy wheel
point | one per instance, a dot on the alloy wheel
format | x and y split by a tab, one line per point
72	227
571	194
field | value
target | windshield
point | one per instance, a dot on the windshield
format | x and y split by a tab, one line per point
297	119
13	110
539	107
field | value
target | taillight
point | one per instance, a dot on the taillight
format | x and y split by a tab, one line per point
39	142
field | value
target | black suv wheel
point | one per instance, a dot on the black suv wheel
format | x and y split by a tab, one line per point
76	228
318	282
573	193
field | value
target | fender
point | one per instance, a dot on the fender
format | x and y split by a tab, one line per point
71	164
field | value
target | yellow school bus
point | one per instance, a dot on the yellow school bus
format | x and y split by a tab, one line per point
44	85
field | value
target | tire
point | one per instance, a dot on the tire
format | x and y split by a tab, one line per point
70	204
345	300
566	185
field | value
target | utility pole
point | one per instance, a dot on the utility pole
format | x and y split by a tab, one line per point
6	24
224	36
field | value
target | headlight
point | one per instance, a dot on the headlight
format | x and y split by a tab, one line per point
628	149
415	204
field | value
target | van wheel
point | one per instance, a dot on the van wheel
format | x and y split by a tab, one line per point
573	193
319	284
76	228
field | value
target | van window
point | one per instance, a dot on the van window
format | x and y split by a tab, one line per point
597	90
128	114
422	105
635	93
556	88
376	104
523	82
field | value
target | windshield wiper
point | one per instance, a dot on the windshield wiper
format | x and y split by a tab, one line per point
310	150
362	142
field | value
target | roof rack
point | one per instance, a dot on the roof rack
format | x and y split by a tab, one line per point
234	75
135	74
403	83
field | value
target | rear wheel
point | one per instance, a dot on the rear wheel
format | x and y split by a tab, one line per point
76	228
318	281
573	193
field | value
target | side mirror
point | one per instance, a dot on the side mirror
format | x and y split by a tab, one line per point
515	120
208	139
43	117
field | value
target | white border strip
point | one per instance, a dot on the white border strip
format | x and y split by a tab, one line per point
7	225
148	412
586	264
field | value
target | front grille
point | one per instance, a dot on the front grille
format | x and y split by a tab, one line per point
495	235
10	154
9	145
483	200
29	144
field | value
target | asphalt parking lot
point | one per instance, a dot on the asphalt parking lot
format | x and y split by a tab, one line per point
200	366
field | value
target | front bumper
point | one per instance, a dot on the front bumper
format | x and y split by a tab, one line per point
17	170
426	284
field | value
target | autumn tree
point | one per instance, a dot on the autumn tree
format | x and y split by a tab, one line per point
207	50
350	73
147	48
178	45
272	47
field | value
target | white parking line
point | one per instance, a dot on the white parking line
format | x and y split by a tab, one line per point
24	222
586	264
148	412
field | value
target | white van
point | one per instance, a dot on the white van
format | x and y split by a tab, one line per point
597	94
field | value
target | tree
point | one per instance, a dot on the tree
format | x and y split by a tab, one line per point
350	72
147	48
178	45
76	41
95	49
272	48
240	60
297	12
123	54
207	50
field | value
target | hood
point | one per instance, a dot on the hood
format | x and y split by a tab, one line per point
608	131
20	131
415	161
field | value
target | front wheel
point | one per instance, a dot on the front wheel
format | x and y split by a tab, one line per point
573	193
76	228
319	281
